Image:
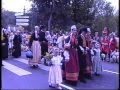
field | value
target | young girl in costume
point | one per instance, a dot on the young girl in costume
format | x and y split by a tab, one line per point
55	74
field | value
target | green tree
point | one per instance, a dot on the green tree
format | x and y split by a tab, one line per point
63	13
104	16
8	18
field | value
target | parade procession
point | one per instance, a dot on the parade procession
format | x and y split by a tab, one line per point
77	58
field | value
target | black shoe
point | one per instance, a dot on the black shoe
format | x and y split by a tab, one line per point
51	86
90	78
97	74
83	81
33	66
36	66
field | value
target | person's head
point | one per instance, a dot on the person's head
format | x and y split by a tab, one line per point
83	31
96	33
47	33
106	31
56	51
97	45
74	29
88	31
37	28
42	28
66	33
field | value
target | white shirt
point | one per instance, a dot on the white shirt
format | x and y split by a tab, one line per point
56	60
60	41
66	54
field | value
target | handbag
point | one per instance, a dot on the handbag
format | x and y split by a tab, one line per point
29	54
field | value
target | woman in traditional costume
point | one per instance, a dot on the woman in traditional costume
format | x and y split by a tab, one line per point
105	41
82	54
17	45
4	40
34	45
72	66
11	37
88	71
113	43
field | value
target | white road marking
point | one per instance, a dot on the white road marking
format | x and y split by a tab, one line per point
25	61
15	69
47	69
110	71
67	87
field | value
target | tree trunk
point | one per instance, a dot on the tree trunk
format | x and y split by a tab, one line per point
49	22
50	18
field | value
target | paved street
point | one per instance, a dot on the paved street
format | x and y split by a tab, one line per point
16	74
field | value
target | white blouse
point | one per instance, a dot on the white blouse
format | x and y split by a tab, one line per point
56	60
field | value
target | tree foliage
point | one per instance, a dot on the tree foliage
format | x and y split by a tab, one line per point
63	13
8	18
104	16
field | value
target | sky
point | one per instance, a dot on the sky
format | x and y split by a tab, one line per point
18	5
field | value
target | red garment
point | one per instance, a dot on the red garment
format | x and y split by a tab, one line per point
73	40
113	44
72	67
105	45
88	41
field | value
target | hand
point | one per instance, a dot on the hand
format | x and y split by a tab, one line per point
87	48
3	44
29	49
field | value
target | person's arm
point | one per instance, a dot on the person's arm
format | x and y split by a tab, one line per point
30	41
80	43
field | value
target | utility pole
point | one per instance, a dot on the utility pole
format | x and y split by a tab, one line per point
24	10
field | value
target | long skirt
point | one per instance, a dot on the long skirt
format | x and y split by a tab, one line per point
55	75
72	67
5	51
16	50
44	48
88	71
63	70
36	50
82	64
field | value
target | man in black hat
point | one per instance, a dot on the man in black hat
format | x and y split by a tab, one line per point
81	54
43	40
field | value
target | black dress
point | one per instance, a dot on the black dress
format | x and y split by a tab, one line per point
82	59
44	43
5	47
17	46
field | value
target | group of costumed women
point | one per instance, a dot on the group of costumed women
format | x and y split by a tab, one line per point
78	65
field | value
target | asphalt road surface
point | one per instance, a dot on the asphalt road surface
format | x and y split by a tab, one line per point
16	74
